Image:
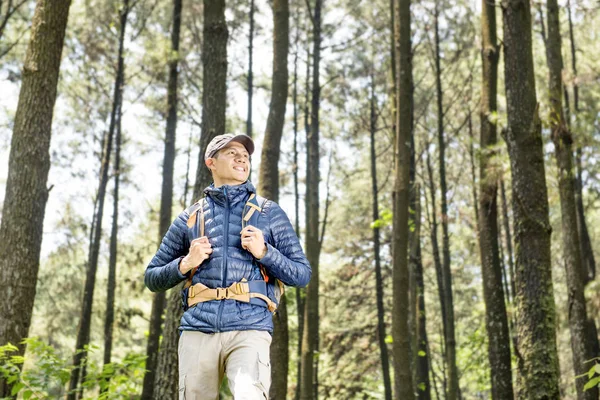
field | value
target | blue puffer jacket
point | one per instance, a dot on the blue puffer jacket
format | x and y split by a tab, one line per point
229	262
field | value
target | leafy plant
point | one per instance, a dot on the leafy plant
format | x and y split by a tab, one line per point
48	377
593	375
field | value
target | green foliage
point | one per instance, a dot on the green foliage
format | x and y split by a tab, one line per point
593	375
48	373
36	383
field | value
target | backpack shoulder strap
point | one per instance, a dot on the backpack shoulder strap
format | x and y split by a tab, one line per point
252	210
192	224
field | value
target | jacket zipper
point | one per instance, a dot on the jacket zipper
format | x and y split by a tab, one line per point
225	256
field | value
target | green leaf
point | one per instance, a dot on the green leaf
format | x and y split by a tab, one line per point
389	339
421	353
592	383
16	388
421	386
597	368
27	394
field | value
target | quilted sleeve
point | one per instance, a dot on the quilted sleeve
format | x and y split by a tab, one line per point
285	260
163	271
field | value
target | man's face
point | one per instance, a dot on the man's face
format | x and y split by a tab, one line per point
231	165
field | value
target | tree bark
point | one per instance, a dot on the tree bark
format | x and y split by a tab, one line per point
423	387
21	230
491	269
112	262
436	257
581	347
166	203
381	334
587	253
310	336
214	78
250	71
166	379
509	240
83	331
269	180
449	331
403	385
537	352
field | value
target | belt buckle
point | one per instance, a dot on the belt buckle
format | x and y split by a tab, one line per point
222	293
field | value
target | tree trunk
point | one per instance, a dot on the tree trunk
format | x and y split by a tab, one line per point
300	293
587	253
250	72
423	387
473	168
83	331
166	379
580	345
29	161
269	180
509	249
536	353
449	334
166	202
403	385
310	336
491	269
214	78
112	263
436	258
385	363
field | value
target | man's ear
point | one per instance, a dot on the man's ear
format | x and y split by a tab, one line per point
210	163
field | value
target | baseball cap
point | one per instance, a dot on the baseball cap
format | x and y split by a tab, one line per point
222	141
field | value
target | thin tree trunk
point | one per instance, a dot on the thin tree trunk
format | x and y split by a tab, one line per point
403	385
269	180
166	203
385	364
214	78
537	352
509	248
421	355
250	72
587	253
393	72
580	345
436	258
491	269
83	331
473	168
301	293
422	349
449	334
112	263
310	336
28	165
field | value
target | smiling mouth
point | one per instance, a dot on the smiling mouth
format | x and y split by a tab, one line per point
242	169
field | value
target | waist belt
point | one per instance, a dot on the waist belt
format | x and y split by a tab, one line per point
253	292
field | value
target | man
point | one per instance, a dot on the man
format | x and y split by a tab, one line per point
227	324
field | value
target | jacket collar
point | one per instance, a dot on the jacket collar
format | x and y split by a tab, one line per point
233	193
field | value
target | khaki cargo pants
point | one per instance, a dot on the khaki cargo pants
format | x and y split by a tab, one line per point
242	355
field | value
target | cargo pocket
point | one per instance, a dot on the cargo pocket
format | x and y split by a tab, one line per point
263	367
182	387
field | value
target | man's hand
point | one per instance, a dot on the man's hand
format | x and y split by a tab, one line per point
254	241
200	250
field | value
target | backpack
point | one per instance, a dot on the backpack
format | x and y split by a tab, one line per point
253	289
